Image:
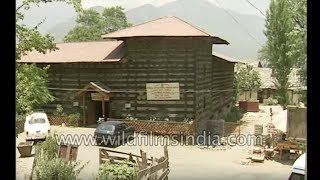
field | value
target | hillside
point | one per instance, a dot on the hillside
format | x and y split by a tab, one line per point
203	14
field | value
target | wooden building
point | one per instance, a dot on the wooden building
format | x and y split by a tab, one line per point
162	68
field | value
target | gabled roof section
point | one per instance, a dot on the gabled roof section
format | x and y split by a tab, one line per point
169	26
95	86
75	52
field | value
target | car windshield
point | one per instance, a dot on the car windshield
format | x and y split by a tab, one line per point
295	176
106	127
37	121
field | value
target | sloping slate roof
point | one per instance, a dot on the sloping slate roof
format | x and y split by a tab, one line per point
98	86
101	51
168	26
224	57
267	80
294	78
101	86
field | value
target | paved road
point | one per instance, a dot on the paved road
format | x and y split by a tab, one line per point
186	162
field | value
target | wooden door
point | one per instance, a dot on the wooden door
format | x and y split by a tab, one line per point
91	113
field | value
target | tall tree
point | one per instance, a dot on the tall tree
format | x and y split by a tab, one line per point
114	19
298	36
277	48
31	89
91	25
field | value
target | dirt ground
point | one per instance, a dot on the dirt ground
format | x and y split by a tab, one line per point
185	162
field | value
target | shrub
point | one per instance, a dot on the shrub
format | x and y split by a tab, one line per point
47	149
235	114
270	101
73	119
124	170
56	168
49	166
59	111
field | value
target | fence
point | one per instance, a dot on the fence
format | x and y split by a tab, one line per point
149	168
156	127
162	127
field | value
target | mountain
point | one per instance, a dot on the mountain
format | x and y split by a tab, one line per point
242	35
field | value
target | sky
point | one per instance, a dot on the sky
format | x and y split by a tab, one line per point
58	12
240	6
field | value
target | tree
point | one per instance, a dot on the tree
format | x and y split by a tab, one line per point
298	38
31	89
277	48
114	19
247	79
91	25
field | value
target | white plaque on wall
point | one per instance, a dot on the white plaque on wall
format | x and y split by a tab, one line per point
163	91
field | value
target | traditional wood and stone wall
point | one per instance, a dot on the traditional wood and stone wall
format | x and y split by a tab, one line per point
185	60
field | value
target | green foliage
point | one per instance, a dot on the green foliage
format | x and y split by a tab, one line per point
59	111
29	38
49	166
82	34
91	25
47	149
235	114
286	27
31	89
114	19
247	79
162	114
73	119
124	170
57	169
298	36
270	101
117	114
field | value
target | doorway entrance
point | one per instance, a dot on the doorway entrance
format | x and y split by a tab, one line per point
95	102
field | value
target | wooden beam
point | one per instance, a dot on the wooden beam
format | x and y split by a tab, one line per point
103	108
84	109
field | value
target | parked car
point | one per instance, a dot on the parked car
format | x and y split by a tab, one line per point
113	133
298	168
37	126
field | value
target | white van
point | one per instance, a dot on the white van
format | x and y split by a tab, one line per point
37	126
298	168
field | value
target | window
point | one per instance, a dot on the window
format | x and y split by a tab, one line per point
122	126
295	176
106	127
37	121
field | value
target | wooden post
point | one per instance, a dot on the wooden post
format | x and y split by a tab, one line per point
166	151
154	176
144	160
166	155
68	152
84	108
138	163
100	157
130	157
103	108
